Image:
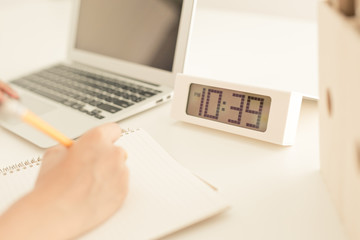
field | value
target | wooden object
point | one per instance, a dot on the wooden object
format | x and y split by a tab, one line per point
339	79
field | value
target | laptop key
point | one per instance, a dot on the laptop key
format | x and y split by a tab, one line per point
109	90
86	100
80	98
94	102
77	106
108	99
136	98
56	98
100	96
96	111
126	96
121	103
146	94
139	99
108	108
68	103
98	116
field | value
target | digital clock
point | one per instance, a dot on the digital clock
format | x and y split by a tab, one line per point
264	114
227	106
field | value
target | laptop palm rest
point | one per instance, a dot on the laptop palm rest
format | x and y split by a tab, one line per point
70	125
38	107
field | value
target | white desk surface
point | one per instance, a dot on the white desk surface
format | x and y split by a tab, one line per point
275	192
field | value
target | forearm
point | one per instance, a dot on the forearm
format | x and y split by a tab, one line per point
33	218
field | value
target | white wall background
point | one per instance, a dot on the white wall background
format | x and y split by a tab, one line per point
305	9
290	8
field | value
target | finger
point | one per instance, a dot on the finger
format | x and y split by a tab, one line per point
126	155
52	157
113	131
1	97
11	92
54	150
8	90
108	131
54	153
122	153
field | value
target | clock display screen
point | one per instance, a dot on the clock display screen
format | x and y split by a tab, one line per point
242	109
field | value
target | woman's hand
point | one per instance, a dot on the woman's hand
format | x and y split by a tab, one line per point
6	90
77	189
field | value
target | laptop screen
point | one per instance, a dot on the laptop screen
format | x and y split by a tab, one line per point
137	31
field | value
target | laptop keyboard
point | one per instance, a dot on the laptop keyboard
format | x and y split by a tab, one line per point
90	93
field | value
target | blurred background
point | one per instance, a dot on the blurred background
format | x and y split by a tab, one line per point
305	9
267	43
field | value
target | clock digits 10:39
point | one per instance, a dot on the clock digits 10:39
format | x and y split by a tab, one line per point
242	109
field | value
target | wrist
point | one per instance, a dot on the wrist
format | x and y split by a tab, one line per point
37	218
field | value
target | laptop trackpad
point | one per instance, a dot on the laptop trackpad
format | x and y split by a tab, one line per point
36	106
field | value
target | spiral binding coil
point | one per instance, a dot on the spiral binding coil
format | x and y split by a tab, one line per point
36	161
20	166
128	131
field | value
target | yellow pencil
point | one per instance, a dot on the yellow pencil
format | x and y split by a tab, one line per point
13	108
46	128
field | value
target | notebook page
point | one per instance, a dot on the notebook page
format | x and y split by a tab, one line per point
163	196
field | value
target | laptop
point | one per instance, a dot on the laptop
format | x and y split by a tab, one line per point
123	58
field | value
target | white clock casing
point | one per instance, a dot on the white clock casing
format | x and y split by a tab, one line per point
282	119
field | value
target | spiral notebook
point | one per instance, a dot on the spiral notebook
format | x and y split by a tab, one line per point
164	197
